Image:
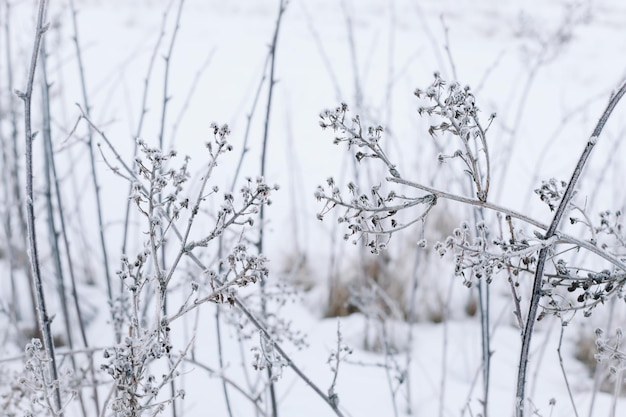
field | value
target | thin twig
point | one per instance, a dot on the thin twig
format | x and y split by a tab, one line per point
42	312
444	347
558	350
272	82
53	235
220	374
94	176
18	200
144	110
167	58
256	322
193	88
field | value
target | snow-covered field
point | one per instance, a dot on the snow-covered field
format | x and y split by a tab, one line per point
545	68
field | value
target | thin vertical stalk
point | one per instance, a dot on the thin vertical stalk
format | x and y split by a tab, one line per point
15	156
220	352
144	110
410	336
485	325
272	82
599	372
543	254
167	58
444	355
483	301
51	176
14	306
569	389
94	176
249	117
42	312
166	99
53	236
244	151
358	91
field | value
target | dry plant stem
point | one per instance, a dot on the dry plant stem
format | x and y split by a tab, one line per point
189	96
444	357
541	351
468	399
184	247
599	373
553	140
218	374
167	58
14	306
144	110
118	157
170	375
166	99
16	187
358	92
240	304
411	321
107	401
257	323
562	237
610	162
569	389
64	235
160	285
70	264
516	299
432	39
42	312
483	300
446	45
619	378
485	324
220	355
387	353
249	117
331	390
58	352
322	51
391	43
288	360
543	253
94	176
272	81
482	189
244	151
296	185
53	236
508	151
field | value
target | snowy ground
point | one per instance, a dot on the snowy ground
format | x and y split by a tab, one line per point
546	68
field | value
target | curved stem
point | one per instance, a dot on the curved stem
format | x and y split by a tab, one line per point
552	230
